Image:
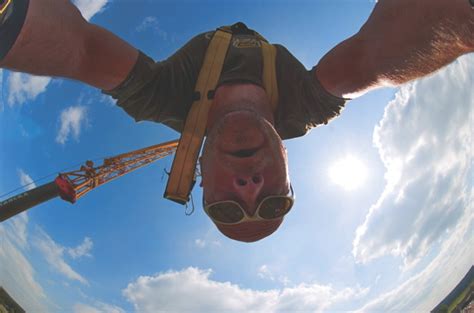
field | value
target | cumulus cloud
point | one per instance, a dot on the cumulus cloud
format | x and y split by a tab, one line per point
54	255
165	292
98	307
151	23
265	272
89	8
24	87
19	226
17	275
202	243
19	223
72	119
424	140
81	250
26	180
423	291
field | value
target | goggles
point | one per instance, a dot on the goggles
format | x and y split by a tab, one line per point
231	212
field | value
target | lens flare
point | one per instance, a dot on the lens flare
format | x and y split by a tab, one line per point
348	172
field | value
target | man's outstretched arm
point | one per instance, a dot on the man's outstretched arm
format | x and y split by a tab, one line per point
56	41
402	40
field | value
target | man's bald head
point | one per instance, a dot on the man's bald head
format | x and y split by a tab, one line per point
243	158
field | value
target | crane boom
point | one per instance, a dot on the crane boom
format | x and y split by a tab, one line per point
71	186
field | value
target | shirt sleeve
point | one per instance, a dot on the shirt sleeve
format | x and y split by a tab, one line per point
12	18
304	103
162	91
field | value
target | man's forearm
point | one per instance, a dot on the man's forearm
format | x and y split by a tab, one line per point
402	40
56	41
107	59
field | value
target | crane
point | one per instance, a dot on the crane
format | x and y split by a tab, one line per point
71	186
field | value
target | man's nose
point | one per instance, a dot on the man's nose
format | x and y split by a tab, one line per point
248	188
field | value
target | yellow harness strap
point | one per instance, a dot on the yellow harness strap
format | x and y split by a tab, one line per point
182	176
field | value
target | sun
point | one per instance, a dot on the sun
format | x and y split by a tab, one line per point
348	172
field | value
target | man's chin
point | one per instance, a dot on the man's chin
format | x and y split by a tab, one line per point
250	231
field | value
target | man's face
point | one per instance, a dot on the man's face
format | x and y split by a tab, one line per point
244	160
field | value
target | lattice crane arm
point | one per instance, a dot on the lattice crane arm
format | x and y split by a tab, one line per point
71	186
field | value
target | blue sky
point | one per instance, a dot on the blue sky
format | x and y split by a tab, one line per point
399	241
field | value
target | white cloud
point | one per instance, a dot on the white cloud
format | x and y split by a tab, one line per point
108	100
26	180
424	140
165	293
265	272
89	8
98	307
23	87
54	255
19	227
151	22
200	243
17	275
423	291
81	250
72	119
19	223
148	22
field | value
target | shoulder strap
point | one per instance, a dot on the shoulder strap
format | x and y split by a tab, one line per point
182	178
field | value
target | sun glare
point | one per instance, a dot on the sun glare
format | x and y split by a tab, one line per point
348	172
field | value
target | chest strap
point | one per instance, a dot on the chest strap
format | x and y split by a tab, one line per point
182	175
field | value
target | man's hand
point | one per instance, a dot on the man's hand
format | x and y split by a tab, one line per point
402	40
56	41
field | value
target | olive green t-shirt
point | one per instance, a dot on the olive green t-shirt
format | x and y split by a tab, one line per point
163	91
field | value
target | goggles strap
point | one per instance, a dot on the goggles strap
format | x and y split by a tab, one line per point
182	175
